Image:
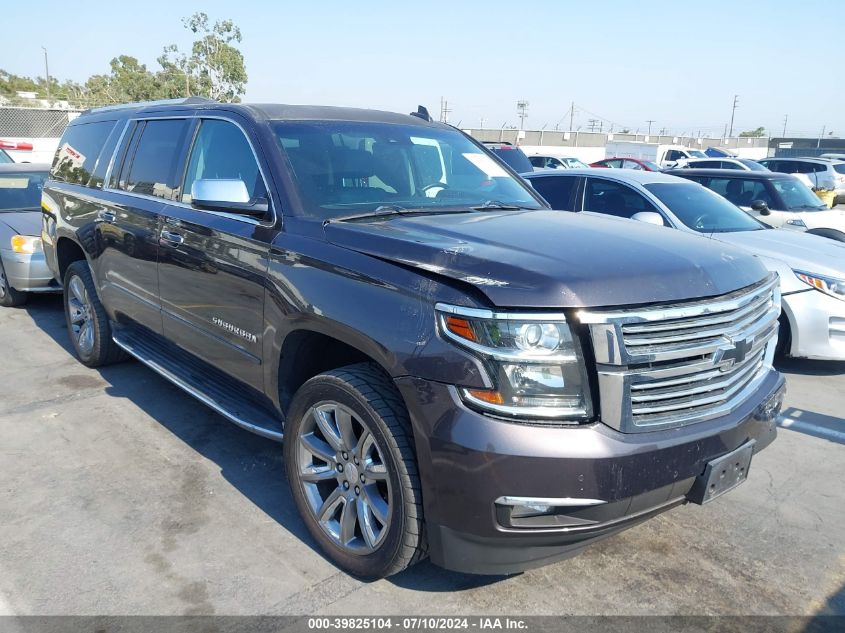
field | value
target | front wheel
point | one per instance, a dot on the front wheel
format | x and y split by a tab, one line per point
9	297
352	471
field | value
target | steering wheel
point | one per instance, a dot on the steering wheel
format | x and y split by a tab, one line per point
439	186
698	223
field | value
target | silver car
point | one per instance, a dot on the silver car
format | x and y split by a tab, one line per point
811	268
23	268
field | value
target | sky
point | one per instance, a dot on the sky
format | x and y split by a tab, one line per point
624	62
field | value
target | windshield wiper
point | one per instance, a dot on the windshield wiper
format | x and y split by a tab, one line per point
392	210
502	206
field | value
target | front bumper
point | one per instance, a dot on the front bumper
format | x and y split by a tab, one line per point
468	461
28	273
817	325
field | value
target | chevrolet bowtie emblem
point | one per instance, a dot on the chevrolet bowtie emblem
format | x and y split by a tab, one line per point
732	352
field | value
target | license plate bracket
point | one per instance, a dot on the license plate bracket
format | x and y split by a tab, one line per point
722	474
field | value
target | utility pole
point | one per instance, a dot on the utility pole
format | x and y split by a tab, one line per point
482	123
444	110
46	71
821	136
522	107
785	119
650	121
733	112
571	115
593	124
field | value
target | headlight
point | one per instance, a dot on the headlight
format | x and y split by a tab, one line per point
26	244
796	222
534	361
828	285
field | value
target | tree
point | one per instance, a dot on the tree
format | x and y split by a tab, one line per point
215	67
760	131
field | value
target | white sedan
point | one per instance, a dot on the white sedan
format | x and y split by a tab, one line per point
811	268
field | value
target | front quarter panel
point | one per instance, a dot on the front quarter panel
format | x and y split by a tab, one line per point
383	310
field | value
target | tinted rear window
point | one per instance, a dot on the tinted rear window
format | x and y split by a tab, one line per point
557	190
78	151
156	158
840	168
515	159
21	190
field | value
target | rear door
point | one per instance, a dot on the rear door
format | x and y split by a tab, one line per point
213	264
145	175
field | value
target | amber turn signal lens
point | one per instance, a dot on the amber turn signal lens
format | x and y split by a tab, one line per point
492	397
461	327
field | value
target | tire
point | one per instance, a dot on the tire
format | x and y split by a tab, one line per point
87	322
784	345
9	297
833	234
386	505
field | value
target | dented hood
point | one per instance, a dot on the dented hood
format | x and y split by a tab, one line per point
554	259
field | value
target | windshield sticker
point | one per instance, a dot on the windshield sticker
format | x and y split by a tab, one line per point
487	165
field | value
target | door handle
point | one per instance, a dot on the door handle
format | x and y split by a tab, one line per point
168	238
107	216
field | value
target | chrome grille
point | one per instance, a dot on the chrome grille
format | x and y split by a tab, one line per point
671	365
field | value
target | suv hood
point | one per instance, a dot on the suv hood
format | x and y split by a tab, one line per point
554	259
22	222
801	251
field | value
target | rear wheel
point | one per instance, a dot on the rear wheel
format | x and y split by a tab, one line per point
87	322
9	297
351	466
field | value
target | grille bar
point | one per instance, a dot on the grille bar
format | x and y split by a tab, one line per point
666	366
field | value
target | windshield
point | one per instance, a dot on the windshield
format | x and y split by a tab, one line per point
5	158
797	196
574	163
702	210
697	153
753	165
344	168
21	190
839	168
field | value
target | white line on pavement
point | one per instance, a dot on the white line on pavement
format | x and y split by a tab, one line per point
812	429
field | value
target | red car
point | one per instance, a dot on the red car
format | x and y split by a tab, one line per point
627	163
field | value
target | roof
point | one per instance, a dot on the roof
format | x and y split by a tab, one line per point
21	168
810	159
622	175
272	111
728	173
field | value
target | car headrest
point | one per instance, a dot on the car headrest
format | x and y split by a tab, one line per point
352	163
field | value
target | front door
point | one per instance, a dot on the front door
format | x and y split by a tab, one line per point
212	265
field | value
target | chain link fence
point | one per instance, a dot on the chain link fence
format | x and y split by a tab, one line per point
34	122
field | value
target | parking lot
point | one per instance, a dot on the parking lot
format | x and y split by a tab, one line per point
122	495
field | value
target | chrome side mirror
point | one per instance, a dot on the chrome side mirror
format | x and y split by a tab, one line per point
229	195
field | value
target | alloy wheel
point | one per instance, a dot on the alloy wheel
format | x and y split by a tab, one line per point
344	478
80	311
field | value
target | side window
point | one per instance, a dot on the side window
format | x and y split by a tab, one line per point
222	152
156	158
729	165
616	164
537	161
557	190
630	164
742	192
99	175
78	151
672	155
613	198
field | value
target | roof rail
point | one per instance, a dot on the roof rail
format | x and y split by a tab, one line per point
146	104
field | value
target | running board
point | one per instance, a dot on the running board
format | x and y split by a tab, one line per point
205	383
